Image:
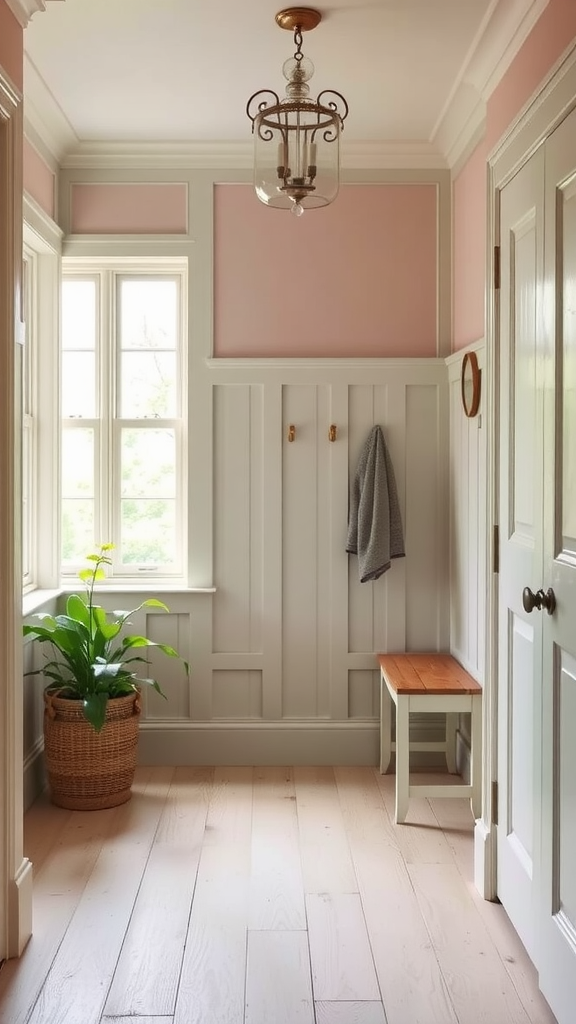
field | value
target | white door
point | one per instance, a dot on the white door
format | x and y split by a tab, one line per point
537	647
557	920
521	527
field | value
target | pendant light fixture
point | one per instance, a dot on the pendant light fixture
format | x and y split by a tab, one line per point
297	139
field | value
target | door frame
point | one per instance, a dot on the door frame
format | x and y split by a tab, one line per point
537	120
15	869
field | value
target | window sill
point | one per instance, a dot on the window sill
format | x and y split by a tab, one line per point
153	587
35	600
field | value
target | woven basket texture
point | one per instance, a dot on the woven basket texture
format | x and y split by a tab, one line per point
88	770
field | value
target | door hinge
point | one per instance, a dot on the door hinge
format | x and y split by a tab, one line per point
495	801
496	267
496	548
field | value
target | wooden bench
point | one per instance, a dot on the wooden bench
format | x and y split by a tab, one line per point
428	683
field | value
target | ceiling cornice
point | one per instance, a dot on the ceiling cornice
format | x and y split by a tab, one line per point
23	10
504	29
239	155
45	116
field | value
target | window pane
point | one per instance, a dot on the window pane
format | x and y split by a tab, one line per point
77	530
27	505
148	461
148	532
78	463
78	314
148	313
78	378
148	384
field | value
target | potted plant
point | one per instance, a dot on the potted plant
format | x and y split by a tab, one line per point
92	704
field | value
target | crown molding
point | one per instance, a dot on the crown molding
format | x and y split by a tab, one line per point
239	155
44	117
23	10
503	31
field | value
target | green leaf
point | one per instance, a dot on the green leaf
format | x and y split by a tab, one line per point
76	609
94	708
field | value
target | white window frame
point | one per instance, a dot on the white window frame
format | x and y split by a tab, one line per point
42	240
108	272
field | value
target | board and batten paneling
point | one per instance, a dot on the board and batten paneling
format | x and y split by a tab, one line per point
468	570
283	668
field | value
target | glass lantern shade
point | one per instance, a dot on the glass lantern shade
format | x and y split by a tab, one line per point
296	155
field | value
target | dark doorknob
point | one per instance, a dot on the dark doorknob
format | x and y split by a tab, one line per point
539	600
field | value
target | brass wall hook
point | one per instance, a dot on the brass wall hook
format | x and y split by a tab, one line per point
332	432
291	432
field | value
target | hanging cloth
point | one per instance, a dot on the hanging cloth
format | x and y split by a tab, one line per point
374	523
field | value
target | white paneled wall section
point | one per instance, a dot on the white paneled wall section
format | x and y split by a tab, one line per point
468	570
282	654
467	524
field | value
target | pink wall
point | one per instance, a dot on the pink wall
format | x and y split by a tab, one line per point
469	249
11	46
357	278
129	209
553	33
38	179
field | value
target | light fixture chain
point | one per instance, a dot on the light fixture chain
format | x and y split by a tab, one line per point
298	43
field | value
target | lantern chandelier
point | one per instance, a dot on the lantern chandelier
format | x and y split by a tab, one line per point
297	139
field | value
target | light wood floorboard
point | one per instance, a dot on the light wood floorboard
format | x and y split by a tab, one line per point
278	984
264	896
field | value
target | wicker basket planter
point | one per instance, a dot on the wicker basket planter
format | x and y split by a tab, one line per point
89	770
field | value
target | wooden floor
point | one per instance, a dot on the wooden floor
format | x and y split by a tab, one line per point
264	896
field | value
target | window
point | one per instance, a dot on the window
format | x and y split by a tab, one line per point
29	417
123	373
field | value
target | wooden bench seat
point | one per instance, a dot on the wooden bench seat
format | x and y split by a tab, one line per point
428	683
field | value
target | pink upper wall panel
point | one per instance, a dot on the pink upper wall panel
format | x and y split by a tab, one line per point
38	179
552	34
550	37
11	46
469	248
130	208
356	278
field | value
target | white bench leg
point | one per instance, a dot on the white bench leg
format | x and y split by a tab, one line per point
476	756
385	726
402	757
451	729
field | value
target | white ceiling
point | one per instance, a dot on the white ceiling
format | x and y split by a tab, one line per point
181	71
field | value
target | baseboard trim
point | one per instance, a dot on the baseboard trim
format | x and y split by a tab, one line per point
34	773
485	859
273	743
20	908
259	743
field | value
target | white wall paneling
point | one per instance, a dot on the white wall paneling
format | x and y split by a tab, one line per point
467	525
467	497
282	654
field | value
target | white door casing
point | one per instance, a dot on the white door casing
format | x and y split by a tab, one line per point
15	869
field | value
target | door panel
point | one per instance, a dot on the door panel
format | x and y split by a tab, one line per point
557	919
565	753
520	802
520	635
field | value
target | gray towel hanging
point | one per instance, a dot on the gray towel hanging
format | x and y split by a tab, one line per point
374	522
